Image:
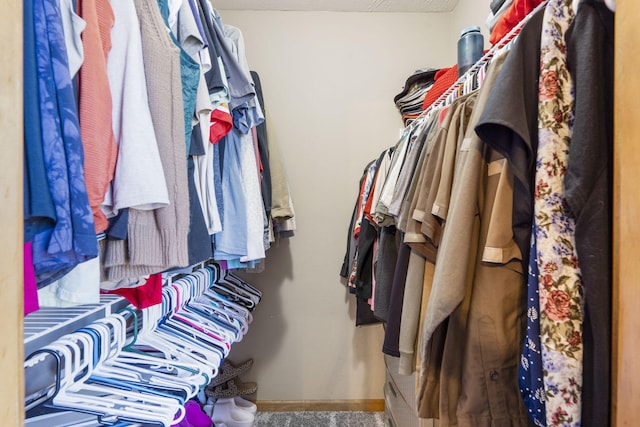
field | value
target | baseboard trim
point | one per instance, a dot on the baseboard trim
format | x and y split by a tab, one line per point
367	405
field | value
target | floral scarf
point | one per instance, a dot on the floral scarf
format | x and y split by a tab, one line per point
560	284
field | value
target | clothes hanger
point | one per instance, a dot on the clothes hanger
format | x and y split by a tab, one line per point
139	372
239	290
467	86
175	345
108	371
195	326
202	343
229	295
95	375
118	377
179	327
108	403
192	316
482	72
151	342
222	308
229	308
230	326
199	334
66	369
43	395
223	305
192	311
228	277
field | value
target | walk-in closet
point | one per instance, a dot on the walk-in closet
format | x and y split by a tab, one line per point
291	313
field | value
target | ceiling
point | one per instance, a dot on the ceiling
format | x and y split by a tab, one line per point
339	5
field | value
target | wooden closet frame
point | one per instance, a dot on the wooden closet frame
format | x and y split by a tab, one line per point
626	226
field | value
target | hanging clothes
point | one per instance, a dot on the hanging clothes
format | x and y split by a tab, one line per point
501	189
131	159
138	180
39	209
510	128
95	105
517	11
560	287
157	240
73	26
588	183
496	14
263	148
72	239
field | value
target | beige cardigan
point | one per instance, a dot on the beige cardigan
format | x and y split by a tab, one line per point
157	239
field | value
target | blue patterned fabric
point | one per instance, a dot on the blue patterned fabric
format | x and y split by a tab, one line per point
241	119
72	240
39	210
246	117
530	370
231	242
218	157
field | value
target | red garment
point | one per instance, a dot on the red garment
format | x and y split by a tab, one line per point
443	80
443	114
94	105
143	296
518	10
221	123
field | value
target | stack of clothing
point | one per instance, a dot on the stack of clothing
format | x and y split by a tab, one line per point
409	101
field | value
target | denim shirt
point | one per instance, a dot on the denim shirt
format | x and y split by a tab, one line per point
72	240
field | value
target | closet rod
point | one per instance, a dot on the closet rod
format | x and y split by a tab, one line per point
486	58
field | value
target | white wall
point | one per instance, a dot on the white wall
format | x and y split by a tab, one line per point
329	79
469	12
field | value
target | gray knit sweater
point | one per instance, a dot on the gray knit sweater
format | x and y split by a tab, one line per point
157	239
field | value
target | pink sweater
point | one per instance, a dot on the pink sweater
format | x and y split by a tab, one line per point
100	149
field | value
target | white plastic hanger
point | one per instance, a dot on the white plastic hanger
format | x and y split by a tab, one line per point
207	319
73	370
105	401
174	346
197	328
229	308
241	285
137	369
213	319
228	325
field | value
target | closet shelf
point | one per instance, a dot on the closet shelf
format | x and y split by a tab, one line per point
48	324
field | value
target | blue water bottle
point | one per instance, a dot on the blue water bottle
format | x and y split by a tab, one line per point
470	48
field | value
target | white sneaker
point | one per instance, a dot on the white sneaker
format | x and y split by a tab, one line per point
208	409
240	403
231	416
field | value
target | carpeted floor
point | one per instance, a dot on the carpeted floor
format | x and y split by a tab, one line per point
320	419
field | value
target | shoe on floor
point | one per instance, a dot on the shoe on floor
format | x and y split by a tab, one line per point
231	416
231	389
228	371
240	403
